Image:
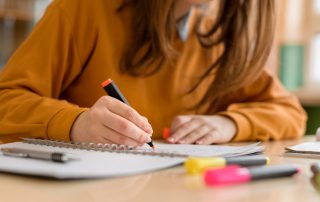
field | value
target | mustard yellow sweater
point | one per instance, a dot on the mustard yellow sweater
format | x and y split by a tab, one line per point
55	75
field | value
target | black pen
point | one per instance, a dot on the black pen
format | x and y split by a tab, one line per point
112	89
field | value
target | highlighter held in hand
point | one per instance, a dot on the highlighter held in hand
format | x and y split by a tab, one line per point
112	89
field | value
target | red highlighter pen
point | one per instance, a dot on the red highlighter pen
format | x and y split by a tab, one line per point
112	89
238	175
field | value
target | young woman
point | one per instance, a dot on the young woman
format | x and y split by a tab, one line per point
194	65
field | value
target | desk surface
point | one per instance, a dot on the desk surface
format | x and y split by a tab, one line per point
170	185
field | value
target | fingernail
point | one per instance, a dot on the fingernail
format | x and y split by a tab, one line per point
150	129
199	142
148	139
171	139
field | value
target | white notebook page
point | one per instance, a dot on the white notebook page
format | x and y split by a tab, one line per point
206	150
307	147
95	164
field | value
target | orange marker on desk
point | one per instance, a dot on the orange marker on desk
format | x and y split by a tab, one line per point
166	133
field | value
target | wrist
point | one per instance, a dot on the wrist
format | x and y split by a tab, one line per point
227	125
243	125
77	127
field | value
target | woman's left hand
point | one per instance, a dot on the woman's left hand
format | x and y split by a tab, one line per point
200	129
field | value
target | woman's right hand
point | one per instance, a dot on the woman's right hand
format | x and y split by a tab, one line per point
111	121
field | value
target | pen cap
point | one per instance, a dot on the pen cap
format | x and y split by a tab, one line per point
227	175
276	171
112	89
198	165
247	161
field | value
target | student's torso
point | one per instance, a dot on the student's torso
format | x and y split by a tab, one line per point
159	97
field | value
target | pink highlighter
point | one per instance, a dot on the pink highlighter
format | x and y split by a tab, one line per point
237	175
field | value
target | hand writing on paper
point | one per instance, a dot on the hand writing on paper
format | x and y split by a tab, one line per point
111	121
202	130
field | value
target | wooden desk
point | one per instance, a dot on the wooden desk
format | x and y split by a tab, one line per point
171	185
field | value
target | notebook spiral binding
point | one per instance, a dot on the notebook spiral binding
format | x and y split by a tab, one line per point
100	147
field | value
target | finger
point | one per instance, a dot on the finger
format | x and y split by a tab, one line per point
118	138
184	130
178	121
127	112
195	135
104	140
96	139
125	127
100	139
114	137
145	118
210	138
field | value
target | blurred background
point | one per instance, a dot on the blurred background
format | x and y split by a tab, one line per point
295	57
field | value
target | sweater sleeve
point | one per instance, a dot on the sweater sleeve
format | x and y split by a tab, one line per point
34	78
266	112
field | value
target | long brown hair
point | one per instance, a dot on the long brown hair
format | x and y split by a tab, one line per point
244	28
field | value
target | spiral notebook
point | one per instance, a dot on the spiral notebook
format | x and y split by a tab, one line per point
100	160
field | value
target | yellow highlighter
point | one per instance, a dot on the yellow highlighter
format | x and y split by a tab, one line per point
195	165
